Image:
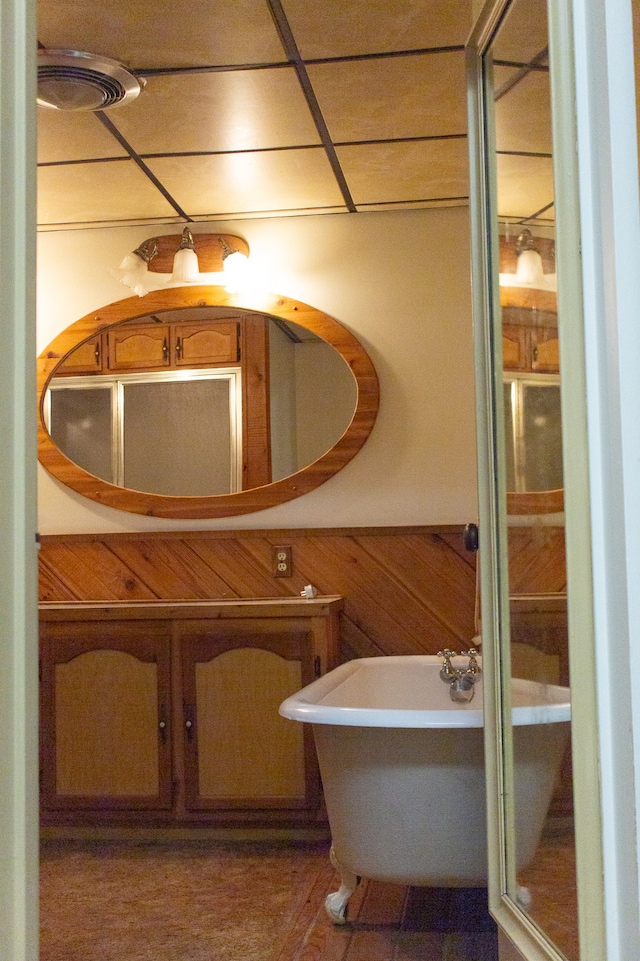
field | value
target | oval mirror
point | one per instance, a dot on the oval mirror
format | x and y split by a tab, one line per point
194	402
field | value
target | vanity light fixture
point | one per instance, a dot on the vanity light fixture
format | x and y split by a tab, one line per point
157	264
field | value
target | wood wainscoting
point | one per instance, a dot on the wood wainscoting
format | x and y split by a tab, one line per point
406	590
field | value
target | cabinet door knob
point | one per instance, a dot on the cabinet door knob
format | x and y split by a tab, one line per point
162	723
189	729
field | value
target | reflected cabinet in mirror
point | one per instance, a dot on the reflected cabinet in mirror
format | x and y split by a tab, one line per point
520	393
194	403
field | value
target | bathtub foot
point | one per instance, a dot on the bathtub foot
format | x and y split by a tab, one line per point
336	903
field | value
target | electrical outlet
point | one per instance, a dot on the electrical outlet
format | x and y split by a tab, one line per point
282	566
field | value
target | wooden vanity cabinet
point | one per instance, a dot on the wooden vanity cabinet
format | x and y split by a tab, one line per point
168	713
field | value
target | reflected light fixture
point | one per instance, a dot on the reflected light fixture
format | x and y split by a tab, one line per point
529	269
218	259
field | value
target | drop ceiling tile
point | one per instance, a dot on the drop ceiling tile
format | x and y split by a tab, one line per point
525	185
236	110
73	136
523	32
98	192
350	27
523	115
227	184
167	33
421	170
387	98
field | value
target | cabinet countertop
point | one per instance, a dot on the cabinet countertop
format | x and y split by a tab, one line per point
318	606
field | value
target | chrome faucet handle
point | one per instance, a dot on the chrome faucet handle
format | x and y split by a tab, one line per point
447	672
447	654
473	668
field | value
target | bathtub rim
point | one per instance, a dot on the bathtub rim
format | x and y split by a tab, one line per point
306	705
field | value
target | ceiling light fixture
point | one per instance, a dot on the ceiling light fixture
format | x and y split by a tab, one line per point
75	80
206	259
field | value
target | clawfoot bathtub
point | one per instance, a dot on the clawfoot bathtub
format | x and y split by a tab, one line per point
403	771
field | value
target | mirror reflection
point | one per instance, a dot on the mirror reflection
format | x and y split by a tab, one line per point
160	404
534	644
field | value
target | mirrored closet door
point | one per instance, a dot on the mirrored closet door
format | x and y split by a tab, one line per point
536	583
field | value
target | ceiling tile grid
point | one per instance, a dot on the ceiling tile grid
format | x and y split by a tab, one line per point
272	107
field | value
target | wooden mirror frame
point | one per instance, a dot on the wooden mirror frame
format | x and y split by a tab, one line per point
219	505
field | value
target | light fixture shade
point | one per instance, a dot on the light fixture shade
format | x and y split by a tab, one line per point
132	272
235	265
185	267
185	263
529	268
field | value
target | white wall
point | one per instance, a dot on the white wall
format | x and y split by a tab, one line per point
400	282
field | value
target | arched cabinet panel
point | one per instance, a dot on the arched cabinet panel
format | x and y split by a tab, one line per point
238	751
105	716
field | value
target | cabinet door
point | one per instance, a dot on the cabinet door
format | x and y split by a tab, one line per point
105	715
139	348
85	359
206	344
514	347
239	752
545	350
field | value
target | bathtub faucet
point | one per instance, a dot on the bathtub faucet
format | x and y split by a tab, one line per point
460	680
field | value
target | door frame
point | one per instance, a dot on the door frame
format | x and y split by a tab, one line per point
18	581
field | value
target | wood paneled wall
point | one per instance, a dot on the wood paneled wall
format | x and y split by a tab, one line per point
408	590
537	563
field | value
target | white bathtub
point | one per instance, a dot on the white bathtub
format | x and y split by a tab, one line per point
403	770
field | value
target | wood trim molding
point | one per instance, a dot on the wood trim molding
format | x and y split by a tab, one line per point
222	505
535	502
